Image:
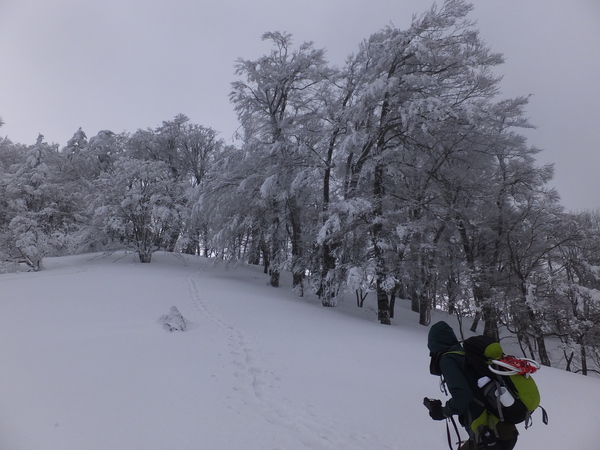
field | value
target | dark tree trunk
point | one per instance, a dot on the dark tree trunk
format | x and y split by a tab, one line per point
480	290
254	250
298	269
569	359
173	238
392	303
383	306
360	297
489	313
540	342
145	256
542	351
452	293
193	246
424	309
327	287
274	280
538	333
584	367
491	323
276	246
475	323
414	298
266	258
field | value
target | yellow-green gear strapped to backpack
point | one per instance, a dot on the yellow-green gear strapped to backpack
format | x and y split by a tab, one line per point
510	392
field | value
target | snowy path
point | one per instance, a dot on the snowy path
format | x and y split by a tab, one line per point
260	387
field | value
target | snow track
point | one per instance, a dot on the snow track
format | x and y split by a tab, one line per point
259	386
252	378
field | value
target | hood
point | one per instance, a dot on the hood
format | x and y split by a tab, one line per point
441	337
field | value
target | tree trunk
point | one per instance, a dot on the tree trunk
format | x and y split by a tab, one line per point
475	323
383	305
274	280
424	309
452	288
276	246
145	256
254	250
425	290
414	298
542	351
172	241
481	289
328	284
490	328
361	297
537	329
298	269
204	236
488	312
392	303
266	257
540	342
193	245
327	288
569	359
584	367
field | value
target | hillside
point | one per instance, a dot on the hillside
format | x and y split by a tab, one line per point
87	365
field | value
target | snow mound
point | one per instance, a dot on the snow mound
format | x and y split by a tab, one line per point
174	321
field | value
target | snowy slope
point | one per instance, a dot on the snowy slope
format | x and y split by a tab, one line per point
86	365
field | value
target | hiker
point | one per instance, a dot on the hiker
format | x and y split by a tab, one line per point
448	360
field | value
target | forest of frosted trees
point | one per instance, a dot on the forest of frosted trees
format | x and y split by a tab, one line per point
402	174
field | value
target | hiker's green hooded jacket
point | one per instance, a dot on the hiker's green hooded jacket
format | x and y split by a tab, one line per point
461	382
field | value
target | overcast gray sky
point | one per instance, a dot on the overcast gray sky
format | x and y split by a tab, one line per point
128	64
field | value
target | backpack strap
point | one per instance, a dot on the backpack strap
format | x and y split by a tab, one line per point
434	365
435	370
529	420
544	415
455	352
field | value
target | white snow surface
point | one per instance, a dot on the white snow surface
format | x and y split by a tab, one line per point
87	365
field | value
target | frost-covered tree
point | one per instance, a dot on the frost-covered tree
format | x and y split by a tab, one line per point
139	205
275	103
570	306
188	150
104	149
384	164
89	158
42	205
421	92
534	232
11	155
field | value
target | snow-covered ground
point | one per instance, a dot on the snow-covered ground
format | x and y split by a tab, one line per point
86	365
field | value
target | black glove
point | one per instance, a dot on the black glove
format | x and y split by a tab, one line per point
435	408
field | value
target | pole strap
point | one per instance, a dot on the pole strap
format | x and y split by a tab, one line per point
448	420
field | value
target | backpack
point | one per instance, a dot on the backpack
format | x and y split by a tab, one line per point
510	392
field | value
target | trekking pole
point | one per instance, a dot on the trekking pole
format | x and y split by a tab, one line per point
429	404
